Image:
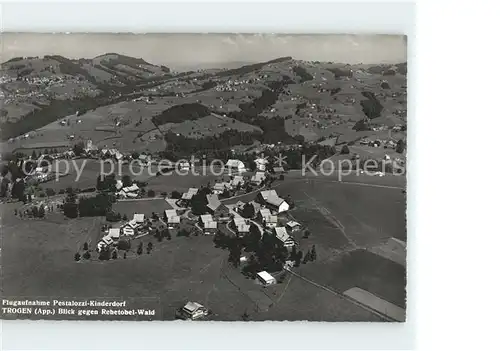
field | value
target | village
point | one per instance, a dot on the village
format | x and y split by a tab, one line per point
236	206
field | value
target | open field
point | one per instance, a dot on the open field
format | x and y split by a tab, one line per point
38	261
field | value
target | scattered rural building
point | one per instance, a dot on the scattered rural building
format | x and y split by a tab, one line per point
271	199
241	225
283	236
266	278
193	311
258	178
114	234
138	218
293	226
261	163
235	166
189	194
129	192
215	207
267	218
219	188
208	223
237	180
278	170
128	231
172	218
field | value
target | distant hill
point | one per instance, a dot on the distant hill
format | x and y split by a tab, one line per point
284	99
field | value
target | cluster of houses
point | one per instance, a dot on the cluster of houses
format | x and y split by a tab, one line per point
378	143
136	226
128	192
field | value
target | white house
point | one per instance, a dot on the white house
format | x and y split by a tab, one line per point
270	220
128	231
114	233
271	198
237	180
235	166
293	226
261	164
139	218
266	278
209	225
189	194
194	310
172	218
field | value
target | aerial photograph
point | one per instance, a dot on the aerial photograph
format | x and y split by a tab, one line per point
203	177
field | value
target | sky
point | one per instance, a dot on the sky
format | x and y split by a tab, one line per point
191	51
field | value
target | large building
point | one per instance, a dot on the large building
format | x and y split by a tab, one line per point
235	166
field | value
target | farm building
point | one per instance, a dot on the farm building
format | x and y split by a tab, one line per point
261	163
208	223
215	207
266	217
138	218
241	226
293	226
172	218
189	194
266	278
193	310
114	233
283	237
237	180
271	198
258	178
235	166
128	231
129	192
220	187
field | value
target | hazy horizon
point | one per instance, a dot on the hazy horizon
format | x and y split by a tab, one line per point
193	51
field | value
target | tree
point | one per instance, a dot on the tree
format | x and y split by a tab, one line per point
105	254
33	155
248	210
85	246
125	218
77	257
41	211
307	233
313	253
298	258
126	180
86	255
282	177
345	150
78	148
293	254
400	146
123	244
176	195
50	192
